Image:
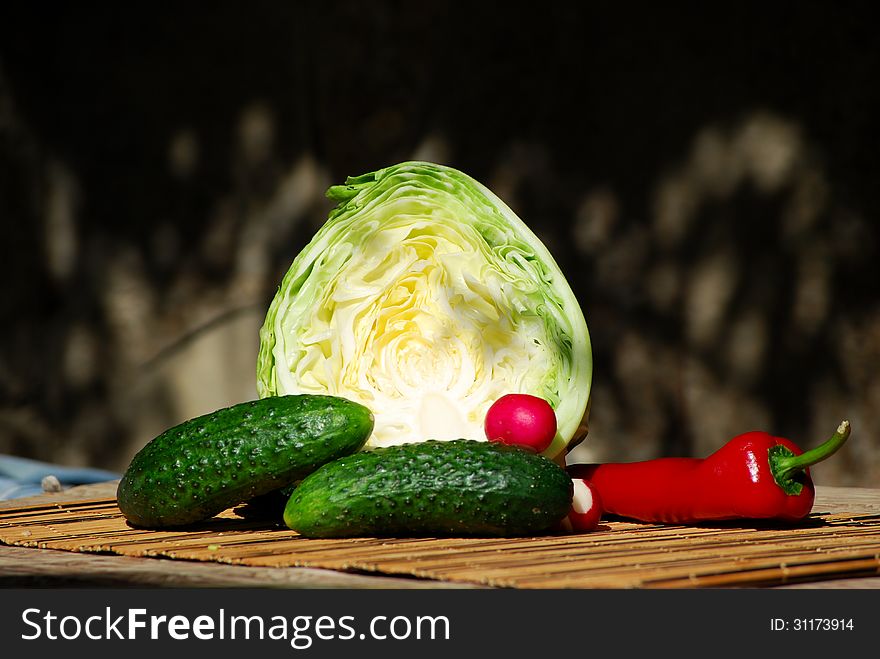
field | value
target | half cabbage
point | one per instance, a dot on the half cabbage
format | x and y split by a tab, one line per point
425	298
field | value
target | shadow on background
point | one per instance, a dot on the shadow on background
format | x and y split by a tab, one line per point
707	181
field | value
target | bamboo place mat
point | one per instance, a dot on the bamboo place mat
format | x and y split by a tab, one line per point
617	555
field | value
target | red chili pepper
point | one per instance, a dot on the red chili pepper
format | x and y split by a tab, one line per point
753	476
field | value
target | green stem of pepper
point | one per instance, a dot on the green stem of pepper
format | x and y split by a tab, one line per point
788	467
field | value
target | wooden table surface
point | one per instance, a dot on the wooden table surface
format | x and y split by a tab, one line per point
27	567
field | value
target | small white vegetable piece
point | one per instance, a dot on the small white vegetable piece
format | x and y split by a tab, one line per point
50	483
586	507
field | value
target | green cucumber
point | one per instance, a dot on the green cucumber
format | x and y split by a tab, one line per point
432	488
203	466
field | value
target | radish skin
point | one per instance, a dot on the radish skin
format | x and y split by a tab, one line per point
521	420
586	506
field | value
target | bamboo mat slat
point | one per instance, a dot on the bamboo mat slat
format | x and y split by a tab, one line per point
619	554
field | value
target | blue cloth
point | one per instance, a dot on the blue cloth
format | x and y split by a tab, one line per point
21	477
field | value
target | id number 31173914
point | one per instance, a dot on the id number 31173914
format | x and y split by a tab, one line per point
811	624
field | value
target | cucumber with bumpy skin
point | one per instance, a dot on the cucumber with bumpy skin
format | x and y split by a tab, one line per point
439	488
203	466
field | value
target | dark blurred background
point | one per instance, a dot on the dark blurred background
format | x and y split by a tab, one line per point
707	178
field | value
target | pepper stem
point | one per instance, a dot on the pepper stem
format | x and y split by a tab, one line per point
785	467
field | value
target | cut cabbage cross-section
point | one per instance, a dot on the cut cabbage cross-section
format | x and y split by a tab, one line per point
425	298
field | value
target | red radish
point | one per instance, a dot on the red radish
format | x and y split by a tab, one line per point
586	506
523	420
